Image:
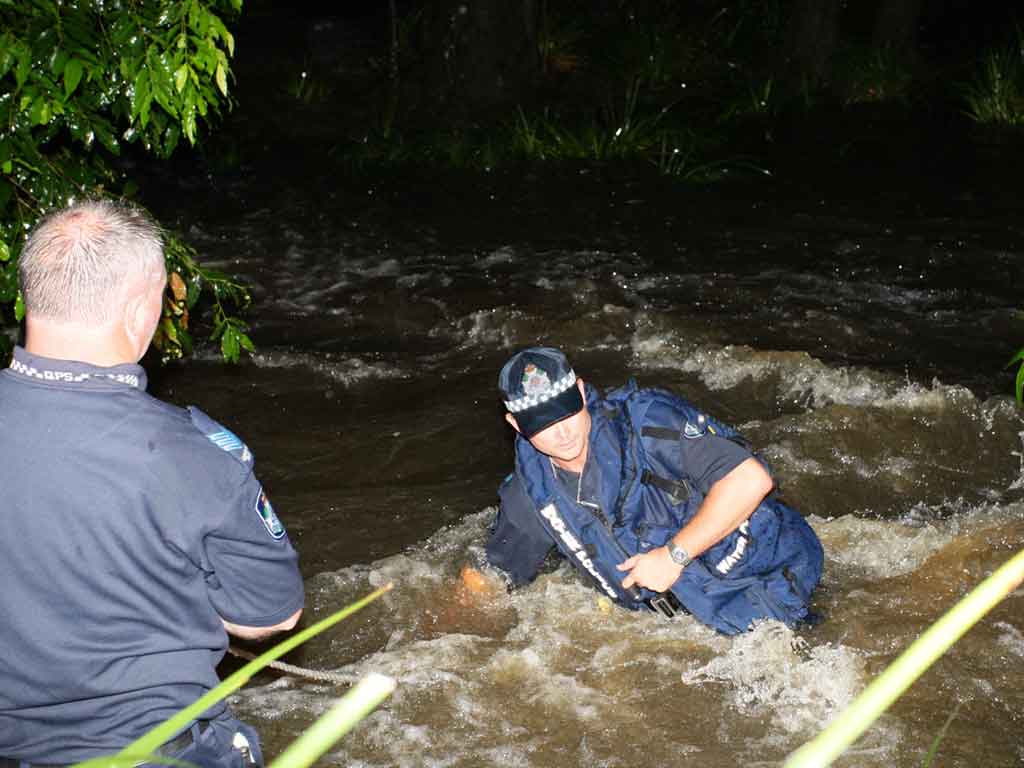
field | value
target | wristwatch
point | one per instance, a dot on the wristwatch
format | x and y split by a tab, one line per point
679	555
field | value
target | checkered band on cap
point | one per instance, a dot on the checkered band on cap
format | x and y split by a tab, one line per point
529	401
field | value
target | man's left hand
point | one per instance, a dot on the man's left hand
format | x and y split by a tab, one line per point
655	570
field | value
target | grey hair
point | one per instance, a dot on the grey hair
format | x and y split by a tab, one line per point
78	260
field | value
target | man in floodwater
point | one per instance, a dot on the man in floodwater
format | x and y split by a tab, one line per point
135	533
653	501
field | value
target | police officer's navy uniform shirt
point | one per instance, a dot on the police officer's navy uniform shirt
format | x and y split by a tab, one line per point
130	529
519	542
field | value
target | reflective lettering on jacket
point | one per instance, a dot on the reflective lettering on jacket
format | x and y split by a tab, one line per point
726	563
550	513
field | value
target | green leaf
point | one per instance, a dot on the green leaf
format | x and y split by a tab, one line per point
72	76
194	289
185	341
222	79
222	32
199	20
40	113
6	54
24	64
171	137
170	330
229	344
181	77
188	118
1019	384
5	252
19	308
141	98
58	61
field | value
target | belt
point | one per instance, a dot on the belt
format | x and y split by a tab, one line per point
168	748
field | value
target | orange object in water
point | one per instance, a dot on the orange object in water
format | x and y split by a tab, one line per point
474	580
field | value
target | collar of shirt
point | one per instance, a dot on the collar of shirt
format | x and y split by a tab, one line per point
583	487
74	373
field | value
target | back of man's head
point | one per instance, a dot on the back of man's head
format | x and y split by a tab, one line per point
79	261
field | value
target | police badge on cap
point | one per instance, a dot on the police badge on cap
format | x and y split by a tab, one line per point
540	389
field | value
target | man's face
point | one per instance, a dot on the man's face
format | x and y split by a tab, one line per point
565	441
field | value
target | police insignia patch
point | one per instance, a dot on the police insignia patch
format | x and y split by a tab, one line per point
691	431
270	520
535	380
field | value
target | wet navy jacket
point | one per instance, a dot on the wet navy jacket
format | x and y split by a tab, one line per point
130	529
652	458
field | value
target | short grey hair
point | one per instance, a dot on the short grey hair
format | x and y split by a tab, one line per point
77	260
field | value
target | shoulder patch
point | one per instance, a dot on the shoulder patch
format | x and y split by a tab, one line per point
270	519
220	436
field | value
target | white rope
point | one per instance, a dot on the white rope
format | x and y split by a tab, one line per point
291	669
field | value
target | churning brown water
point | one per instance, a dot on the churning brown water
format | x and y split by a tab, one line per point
857	338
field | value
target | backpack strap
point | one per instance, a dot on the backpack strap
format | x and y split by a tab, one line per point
664	433
661	433
679	490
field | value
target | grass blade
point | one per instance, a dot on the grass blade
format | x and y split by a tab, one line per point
910	665
939	737
149	742
339	720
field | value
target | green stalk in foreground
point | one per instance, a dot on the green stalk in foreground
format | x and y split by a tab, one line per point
142	749
339	720
910	665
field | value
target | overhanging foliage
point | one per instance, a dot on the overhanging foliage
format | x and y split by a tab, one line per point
79	81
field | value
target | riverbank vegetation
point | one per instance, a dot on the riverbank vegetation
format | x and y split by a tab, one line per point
995	95
80	87
696	91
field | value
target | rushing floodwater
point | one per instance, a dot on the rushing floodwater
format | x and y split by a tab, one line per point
857	337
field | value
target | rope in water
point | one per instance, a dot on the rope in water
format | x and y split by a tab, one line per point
310	674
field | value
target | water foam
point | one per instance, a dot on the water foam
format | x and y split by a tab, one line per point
879	548
348	370
800	690
568	672
801	379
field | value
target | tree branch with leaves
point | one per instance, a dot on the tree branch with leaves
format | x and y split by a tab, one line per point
80	80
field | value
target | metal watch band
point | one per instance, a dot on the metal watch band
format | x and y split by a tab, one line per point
679	555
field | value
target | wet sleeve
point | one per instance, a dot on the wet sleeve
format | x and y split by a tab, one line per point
253	577
518	543
709	458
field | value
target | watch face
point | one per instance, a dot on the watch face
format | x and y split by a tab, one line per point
678	555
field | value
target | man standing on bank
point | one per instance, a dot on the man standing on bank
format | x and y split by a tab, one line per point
653	501
135	533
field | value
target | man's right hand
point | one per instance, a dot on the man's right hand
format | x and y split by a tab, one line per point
261	633
655	570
